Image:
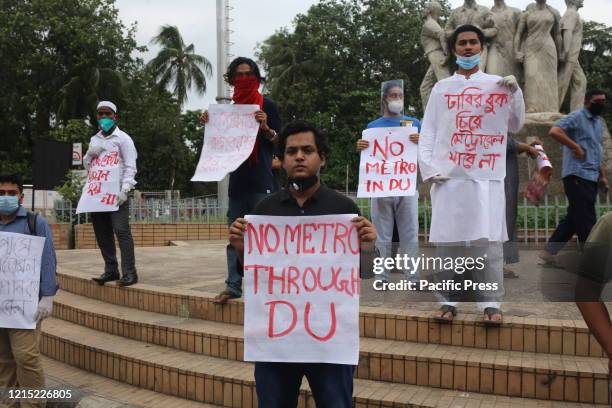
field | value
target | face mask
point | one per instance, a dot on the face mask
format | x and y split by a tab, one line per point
8	204
597	108
106	124
395	107
468	63
301	184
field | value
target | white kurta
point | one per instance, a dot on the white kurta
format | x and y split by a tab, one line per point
463	209
128	152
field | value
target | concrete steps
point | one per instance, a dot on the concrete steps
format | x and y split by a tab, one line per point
178	343
508	373
535	335
101	392
221	381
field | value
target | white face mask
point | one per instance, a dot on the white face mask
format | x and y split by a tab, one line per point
395	107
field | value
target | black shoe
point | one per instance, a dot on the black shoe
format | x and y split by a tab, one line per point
106	277
128	279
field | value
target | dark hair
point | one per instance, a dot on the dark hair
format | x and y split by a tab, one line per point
592	92
299	126
465	28
13	178
231	70
390	85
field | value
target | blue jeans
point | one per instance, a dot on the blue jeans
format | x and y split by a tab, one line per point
278	384
239	205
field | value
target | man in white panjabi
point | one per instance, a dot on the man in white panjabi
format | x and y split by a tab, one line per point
468	214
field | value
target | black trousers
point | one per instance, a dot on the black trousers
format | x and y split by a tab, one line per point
581	216
278	384
108	224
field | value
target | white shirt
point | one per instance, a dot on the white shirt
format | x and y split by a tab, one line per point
463	209
127	150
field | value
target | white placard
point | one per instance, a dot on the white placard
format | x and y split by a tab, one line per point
301	289
20	261
101	189
77	154
388	167
230	136
542	161
474	119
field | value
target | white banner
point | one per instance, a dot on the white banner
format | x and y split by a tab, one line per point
475	123
388	167
77	154
103	182
301	289
229	138
20	260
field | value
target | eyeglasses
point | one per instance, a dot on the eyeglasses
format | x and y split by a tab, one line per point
10	193
396	95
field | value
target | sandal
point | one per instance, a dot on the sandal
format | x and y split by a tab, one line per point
224	296
509	274
490	312
446	309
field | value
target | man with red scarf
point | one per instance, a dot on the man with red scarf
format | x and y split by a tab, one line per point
254	179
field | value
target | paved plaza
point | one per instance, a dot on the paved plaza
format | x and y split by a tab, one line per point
201	266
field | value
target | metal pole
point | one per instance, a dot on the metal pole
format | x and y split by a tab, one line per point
347	179
222	88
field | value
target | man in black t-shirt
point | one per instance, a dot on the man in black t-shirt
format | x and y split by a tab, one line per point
253	180
303	150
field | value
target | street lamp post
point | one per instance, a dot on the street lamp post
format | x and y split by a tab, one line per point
223	94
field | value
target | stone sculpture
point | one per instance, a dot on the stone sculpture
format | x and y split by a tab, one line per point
536	45
570	75
475	14
501	60
433	40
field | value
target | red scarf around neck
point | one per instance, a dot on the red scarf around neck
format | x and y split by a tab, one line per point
246	92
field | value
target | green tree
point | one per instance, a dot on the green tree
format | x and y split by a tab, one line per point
329	68
74	131
177	65
152	119
596	58
79	96
44	46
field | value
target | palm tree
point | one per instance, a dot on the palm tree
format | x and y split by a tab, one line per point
82	89
284	68
178	65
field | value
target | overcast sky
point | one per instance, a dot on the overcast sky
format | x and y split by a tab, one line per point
254	21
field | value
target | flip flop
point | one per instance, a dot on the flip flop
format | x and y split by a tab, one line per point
224	296
490	311
445	309
509	274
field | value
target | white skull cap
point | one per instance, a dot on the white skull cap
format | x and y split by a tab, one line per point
107	104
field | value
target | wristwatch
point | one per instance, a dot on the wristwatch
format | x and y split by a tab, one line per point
272	134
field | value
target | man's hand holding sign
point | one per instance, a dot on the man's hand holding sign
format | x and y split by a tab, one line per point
365	230
388	164
302	282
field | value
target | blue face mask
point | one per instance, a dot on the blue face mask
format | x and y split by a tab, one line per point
8	204
468	63
106	124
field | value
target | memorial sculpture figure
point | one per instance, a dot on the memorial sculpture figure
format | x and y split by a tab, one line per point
536	45
500	60
475	14
571	77
433	40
